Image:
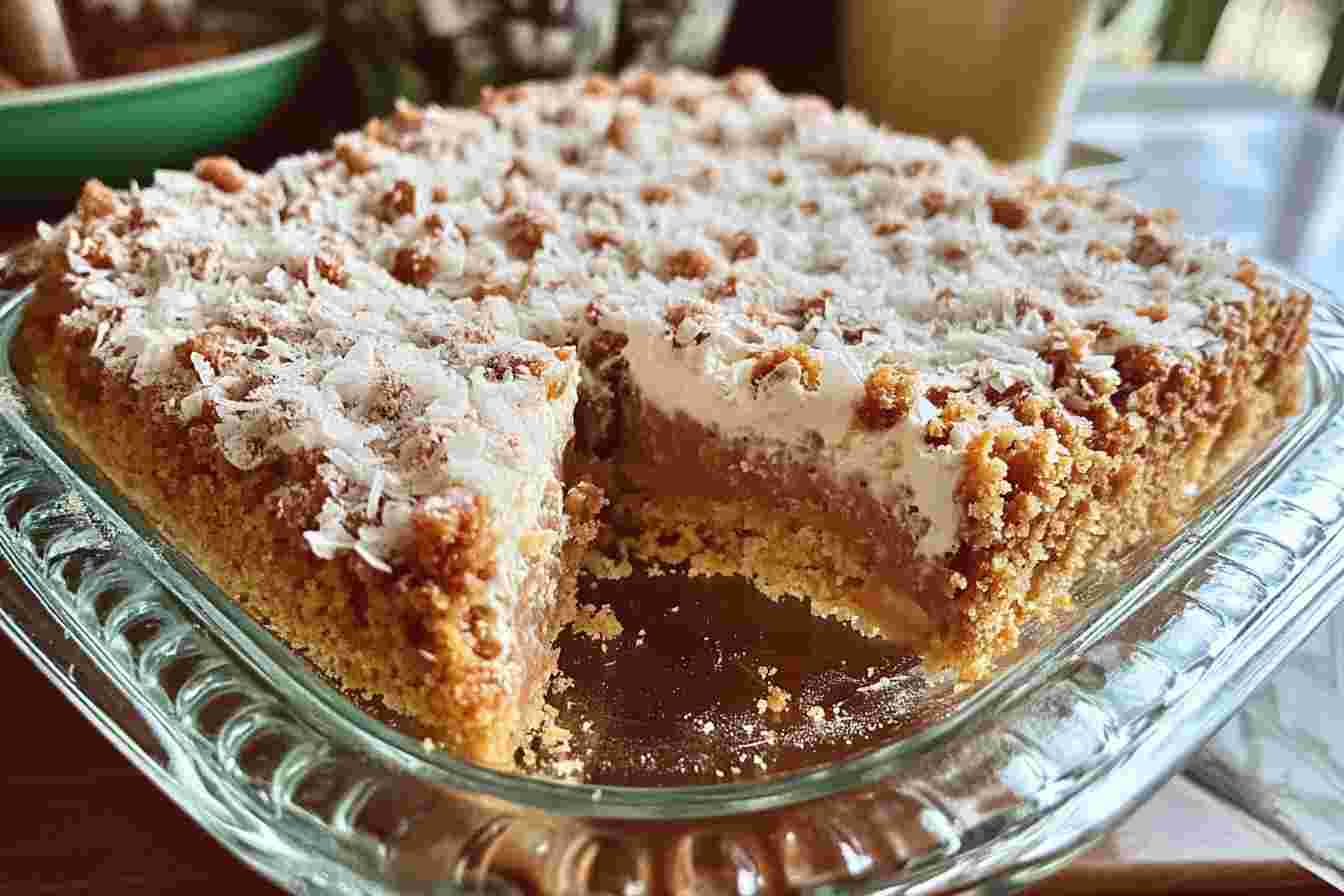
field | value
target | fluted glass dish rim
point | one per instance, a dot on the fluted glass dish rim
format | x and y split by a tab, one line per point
960	851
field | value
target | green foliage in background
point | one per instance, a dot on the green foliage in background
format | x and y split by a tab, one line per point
1187	29
379	40
1330	89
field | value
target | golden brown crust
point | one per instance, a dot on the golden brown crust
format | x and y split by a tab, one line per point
787	547
418	642
1039	510
453	545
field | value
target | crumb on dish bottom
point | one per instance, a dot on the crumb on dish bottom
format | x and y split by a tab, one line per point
405	649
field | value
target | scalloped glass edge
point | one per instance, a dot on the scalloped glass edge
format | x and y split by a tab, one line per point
1032	770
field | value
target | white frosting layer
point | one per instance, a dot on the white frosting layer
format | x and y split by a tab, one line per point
707	384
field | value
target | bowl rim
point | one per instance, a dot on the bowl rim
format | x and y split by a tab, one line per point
54	94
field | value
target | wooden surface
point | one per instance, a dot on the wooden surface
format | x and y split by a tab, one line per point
90	822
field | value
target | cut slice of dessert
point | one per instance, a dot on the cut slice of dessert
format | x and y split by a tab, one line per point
370	467
377	391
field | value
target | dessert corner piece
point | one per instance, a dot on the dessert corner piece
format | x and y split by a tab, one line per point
379	392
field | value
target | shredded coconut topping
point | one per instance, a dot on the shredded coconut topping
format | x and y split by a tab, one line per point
401	308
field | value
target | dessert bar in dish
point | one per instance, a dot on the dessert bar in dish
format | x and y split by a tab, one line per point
390	393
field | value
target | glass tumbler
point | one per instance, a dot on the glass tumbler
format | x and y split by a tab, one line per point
1005	73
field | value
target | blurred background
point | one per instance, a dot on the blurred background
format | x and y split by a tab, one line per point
1280	44
446	50
1283	44
1201	99
1212	106
1294	47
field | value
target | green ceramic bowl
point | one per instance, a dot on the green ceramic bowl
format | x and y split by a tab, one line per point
119	129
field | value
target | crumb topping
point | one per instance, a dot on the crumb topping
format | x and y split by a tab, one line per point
776	700
398	305
598	623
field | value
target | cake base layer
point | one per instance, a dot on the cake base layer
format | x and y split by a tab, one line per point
409	648
786	548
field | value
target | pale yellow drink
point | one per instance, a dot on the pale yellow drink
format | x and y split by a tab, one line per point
999	71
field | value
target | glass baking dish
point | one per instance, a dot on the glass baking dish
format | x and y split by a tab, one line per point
999	787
